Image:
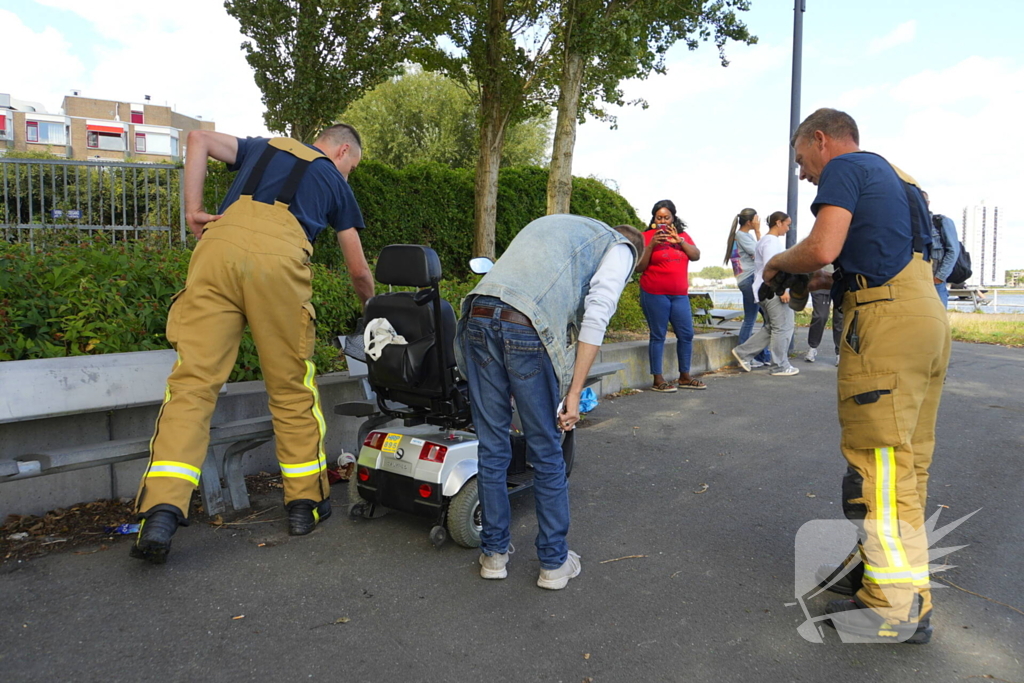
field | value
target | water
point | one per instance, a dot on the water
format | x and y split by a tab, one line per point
1007	302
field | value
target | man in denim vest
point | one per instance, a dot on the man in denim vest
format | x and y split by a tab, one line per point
531	331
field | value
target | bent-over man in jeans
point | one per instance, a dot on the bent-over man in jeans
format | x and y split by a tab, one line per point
530	331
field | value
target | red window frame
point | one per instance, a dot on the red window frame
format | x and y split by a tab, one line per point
31	131
140	138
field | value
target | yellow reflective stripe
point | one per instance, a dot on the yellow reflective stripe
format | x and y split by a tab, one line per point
316	516
886	514
179	470
304	469
916	575
167	398
310	382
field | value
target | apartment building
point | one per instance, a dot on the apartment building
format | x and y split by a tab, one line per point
90	129
979	231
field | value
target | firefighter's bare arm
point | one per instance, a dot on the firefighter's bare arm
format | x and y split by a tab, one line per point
821	247
355	260
201	145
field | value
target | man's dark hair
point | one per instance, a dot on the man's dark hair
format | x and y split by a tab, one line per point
635	238
832	122
340	134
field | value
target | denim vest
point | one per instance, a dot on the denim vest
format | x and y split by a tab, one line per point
545	274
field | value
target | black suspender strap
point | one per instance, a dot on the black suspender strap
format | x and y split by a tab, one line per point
257	171
917	223
292	183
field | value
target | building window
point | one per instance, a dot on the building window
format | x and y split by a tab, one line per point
45	133
155	143
113	142
138	116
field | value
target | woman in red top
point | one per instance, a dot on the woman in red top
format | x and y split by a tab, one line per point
663	292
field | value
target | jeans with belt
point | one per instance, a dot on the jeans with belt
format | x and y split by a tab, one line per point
506	360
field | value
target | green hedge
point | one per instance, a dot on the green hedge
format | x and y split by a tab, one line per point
97	296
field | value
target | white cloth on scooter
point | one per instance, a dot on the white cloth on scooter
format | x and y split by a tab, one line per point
379	333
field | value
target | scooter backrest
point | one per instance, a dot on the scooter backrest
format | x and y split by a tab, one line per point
408	265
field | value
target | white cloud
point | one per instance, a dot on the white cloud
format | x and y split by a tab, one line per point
901	35
189	58
50	54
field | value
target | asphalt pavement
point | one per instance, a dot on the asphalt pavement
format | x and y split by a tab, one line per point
686	510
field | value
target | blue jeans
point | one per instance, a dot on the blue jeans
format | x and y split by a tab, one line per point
943	292
506	360
750	311
660	310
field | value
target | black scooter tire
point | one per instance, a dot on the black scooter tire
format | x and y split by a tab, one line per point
462	516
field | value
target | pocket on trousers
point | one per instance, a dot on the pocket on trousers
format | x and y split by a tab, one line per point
478	348
868	411
308	326
523	358
174	319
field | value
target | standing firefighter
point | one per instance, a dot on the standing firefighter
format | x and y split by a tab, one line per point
871	220
251	266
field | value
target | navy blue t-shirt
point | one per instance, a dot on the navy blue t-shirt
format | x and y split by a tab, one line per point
880	241
323	196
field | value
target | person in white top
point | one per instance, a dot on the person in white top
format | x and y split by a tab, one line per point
777	332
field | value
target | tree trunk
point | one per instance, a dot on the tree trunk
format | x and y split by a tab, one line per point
485	203
492	134
560	170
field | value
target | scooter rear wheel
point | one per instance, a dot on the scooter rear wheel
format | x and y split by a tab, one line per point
464	516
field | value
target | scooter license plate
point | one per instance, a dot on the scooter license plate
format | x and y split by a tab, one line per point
393	456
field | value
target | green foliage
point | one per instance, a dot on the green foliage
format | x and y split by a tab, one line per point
312	58
715	273
629	316
432	204
425	117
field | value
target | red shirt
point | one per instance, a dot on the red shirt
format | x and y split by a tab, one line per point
667	271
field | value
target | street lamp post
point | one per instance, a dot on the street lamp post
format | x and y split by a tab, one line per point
799	7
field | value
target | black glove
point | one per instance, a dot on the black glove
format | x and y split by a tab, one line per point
797	284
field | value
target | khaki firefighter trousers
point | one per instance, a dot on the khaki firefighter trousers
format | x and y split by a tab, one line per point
895	350
251	266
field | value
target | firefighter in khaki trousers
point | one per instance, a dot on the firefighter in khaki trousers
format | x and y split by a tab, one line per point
251	266
873	223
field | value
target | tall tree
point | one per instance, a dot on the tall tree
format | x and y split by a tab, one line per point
424	116
600	43
312	58
500	48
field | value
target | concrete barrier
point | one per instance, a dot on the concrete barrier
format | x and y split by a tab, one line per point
243	400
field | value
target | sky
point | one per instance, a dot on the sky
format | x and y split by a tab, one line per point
936	86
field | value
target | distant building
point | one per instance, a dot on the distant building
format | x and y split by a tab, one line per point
1015	278
979	231
92	129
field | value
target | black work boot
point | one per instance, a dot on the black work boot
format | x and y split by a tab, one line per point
304	515
848	584
155	530
868	626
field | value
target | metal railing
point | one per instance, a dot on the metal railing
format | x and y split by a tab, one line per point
88	197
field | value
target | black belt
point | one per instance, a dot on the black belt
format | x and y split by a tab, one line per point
507	314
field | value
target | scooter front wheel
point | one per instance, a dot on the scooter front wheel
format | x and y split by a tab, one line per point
465	517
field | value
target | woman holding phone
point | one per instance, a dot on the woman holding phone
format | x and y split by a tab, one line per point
664	292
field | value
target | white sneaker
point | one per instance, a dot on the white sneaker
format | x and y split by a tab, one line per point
493	566
837	360
787	371
811	355
557	579
744	365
